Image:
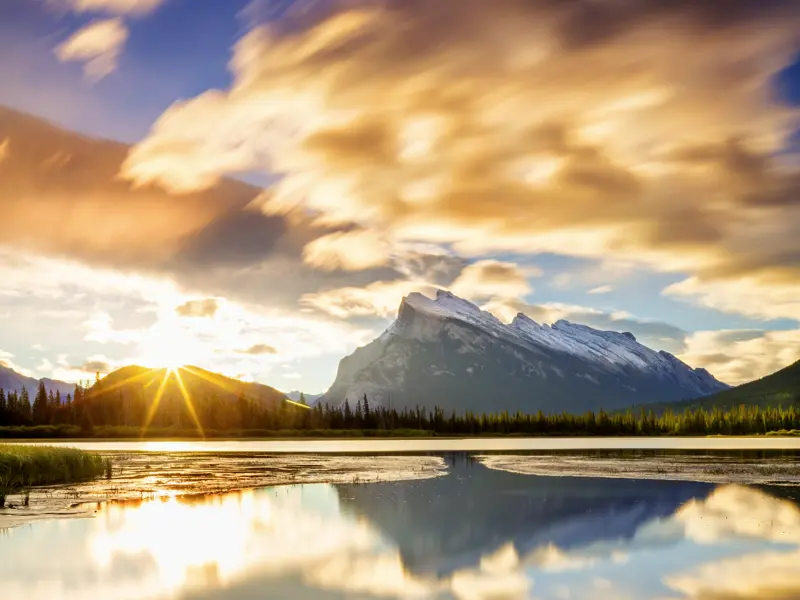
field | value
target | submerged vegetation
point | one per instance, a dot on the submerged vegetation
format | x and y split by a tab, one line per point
363	421
24	467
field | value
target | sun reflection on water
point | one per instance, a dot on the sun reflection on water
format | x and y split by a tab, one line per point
183	537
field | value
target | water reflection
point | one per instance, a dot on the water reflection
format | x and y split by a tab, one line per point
475	534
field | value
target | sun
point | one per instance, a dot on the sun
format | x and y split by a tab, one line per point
167	347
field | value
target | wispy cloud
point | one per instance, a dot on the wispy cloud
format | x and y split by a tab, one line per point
603	289
258	350
116	7
396	116
198	308
98	46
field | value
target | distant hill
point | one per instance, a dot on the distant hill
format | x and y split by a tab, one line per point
779	389
11	380
138	396
310	398
196	381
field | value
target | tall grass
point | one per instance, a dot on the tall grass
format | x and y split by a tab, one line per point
23	467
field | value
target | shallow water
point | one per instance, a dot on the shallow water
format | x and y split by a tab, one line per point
465	532
497	444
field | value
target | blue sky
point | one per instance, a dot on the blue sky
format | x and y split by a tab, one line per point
665	211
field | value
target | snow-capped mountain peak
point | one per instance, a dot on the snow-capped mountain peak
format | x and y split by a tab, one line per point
448	352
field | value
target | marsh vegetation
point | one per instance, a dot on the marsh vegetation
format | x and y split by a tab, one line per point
25	467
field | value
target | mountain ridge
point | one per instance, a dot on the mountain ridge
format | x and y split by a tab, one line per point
11	380
426	355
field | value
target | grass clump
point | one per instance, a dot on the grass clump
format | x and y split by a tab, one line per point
24	467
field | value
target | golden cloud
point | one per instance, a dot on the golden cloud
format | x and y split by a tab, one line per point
379	299
492	278
621	129
740	356
738	512
205	308
349	251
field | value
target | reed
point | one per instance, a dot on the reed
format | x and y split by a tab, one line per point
24	467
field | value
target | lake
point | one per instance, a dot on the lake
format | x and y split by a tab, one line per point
480	525
439	444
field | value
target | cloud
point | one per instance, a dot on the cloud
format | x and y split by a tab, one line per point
98	46
349	251
738	512
214	243
198	308
492	278
603	289
100	327
739	356
259	349
95	366
772	575
395	116
754	296
379	299
117	7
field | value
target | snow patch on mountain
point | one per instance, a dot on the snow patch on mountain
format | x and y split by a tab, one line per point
519	364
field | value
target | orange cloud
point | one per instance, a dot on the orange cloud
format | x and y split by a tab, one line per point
578	128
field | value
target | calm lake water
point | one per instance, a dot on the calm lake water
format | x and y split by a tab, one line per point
444	444
472	530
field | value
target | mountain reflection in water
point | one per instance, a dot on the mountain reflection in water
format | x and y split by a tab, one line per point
474	534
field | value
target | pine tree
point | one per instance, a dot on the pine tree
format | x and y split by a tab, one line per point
348	415
40	405
24	403
303	399
367	419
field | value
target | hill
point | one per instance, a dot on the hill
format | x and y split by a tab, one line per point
185	397
782	388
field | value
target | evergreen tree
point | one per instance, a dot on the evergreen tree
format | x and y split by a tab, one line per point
24	403
348	415
40	405
367	419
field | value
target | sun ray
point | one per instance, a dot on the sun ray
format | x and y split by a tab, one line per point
105	389
221	383
156	401
299	404
188	401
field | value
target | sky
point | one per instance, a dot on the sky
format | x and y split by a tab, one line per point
253	186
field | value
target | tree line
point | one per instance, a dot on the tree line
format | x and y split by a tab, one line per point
90	406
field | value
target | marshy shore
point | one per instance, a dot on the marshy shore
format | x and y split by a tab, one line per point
24	467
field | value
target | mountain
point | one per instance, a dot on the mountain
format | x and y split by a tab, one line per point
182	398
11	380
294	396
448	353
448	523
782	388
197	382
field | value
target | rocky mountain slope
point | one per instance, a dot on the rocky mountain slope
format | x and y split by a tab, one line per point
448	353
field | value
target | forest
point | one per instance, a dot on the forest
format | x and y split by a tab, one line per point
91	411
